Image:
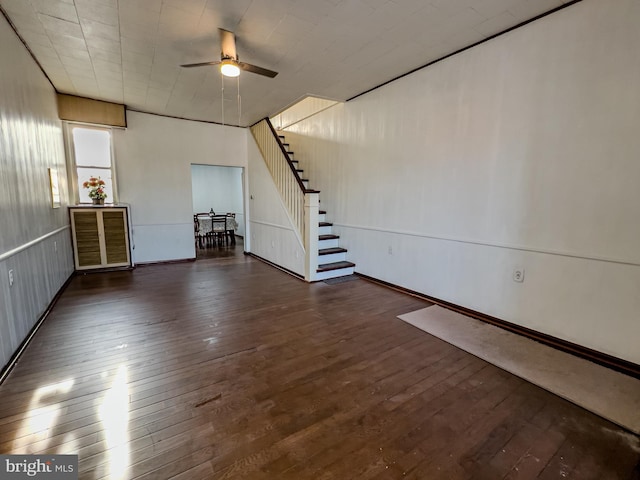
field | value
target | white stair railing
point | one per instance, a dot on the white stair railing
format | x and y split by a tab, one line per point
304	213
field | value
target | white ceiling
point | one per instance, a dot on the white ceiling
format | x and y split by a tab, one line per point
129	51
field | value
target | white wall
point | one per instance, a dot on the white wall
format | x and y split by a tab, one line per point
35	243
220	189
521	152
272	234
153	165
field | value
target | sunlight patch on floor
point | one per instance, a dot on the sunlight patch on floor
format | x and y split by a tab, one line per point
114	415
42	415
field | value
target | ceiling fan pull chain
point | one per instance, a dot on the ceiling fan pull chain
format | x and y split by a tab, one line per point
239	102
222	102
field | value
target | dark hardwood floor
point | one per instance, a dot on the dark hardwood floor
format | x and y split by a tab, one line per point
227	368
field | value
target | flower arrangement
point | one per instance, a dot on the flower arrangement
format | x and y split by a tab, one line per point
96	188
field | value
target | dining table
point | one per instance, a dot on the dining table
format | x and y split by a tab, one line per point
216	226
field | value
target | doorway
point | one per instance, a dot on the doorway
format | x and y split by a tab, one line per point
219	190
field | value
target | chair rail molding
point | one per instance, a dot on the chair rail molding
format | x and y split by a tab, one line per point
30	244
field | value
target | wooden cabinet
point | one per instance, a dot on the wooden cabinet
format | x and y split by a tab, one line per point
100	237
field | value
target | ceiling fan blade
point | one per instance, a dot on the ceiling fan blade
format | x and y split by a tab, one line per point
228	53
247	67
227	44
189	65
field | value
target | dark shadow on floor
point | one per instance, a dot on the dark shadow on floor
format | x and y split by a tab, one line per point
220	250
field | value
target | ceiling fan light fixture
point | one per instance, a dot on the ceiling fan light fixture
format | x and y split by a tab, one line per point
229	68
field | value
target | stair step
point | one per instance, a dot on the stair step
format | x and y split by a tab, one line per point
334	266
321	212
331	251
299	171
329	241
328	236
285	145
281	136
325	228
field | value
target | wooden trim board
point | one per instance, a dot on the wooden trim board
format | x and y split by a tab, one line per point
87	110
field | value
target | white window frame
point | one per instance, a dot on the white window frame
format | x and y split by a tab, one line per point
72	166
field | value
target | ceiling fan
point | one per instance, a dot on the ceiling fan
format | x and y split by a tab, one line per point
229	64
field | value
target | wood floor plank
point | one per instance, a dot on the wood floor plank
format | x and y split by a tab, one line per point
227	368
354	428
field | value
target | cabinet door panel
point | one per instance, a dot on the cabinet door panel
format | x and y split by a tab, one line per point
115	237
87	238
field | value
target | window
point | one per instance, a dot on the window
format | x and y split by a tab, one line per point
91	155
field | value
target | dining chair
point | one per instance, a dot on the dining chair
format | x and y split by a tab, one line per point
219	228
205	231
231	226
196	227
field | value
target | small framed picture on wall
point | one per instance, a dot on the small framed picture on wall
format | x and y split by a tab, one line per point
55	188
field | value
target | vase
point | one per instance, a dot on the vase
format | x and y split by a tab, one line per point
98	201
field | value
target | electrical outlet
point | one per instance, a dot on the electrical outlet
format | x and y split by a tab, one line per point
10	278
518	274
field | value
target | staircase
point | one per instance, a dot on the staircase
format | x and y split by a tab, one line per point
332	260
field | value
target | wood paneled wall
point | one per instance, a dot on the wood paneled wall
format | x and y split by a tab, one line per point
31	142
304	108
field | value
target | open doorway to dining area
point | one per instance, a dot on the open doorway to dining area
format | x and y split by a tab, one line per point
218	210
